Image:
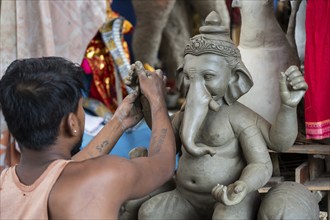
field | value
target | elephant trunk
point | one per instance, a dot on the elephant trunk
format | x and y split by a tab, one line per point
198	103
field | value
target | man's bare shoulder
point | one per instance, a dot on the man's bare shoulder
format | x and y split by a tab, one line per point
89	188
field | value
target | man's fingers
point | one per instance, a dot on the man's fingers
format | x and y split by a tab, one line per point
131	71
138	114
128	80
164	79
148	74
159	73
140	69
132	97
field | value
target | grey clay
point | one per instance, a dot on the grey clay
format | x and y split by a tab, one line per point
289	200
266	51
224	144
163	28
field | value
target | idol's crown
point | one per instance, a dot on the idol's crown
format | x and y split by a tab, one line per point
213	39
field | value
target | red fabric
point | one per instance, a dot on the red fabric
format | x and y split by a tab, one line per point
234	13
101	65
317	69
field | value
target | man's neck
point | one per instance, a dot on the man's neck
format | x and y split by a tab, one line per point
33	163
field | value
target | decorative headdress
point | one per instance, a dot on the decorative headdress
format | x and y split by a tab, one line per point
213	38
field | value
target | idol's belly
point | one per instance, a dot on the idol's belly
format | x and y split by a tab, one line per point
201	174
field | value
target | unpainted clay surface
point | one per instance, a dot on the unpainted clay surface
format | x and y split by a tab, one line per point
289	200
164	26
266	51
224	145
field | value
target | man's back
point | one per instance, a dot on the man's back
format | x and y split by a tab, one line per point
27	201
88	190
91	189
96	188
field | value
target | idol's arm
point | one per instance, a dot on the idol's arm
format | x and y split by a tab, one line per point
281	135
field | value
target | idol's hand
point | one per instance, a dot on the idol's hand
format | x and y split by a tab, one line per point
292	86
231	195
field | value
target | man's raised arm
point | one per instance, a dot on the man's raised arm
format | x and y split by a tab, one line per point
149	173
126	116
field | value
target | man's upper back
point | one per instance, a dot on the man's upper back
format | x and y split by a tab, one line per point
19	201
92	189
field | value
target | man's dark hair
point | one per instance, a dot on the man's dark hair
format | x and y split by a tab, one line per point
35	94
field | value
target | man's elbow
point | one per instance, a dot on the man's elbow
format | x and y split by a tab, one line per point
168	170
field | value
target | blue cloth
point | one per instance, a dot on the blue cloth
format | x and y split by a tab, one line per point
275	5
139	137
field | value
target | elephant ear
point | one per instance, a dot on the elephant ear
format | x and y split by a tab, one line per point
180	85
179	77
240	83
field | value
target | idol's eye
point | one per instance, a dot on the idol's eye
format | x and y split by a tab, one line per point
208	76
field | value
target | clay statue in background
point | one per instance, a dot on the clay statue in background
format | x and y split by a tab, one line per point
224	144
266	51
298	8
164	26
291	201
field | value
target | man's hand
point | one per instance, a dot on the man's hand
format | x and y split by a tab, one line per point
132	80
147	82
127	112
151	83
292	86
231	195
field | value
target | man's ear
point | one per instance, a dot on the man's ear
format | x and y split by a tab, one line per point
240	83
72	124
